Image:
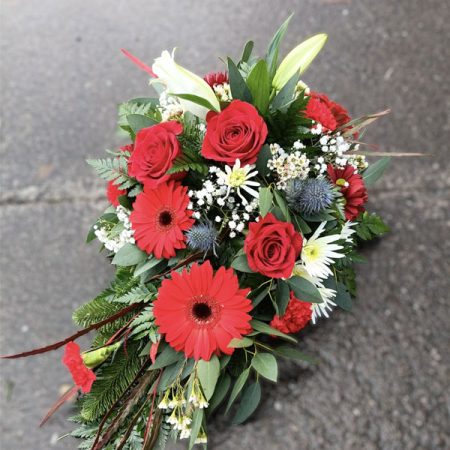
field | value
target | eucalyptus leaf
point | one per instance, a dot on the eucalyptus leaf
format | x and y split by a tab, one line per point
138	121
292	353
166	358
240	343
266	365
262	327
196	424
283	296
222	387
241	264
375	171
281	202
250	399
238	385
304	290
265	200
129	255
208	374
263	158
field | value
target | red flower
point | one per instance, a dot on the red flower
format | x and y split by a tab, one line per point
352	188
339	113
238	132
296	316
319	112
155	149
159	218
113	193
201	312
272	247
214	78
82	376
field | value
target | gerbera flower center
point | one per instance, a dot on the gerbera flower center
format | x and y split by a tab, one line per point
342	182
165	218
204	310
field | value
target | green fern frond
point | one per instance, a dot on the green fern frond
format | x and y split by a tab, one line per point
113	169
95	311
136	295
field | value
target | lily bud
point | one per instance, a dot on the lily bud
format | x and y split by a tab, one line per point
95	357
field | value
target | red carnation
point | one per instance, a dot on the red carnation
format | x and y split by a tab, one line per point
200	311
272	247
155	149
159	218
82	376
296	316
113	193
321	113
214	78
238	132
352	188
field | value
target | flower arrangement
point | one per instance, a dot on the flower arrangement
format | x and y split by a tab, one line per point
235	215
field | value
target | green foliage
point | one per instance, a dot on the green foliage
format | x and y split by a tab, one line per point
286	127
208	374
138	294
370	226
189	160
304	290
239	88
129	255
274	47
375	171
266	365
249	402
113	169
113	378
259	84
143	326
95	311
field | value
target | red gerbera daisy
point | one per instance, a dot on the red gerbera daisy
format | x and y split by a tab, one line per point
82	376
296	316
352	188
214	78
159	218
201	312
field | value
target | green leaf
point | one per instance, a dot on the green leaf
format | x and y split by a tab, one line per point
239	89
266	365
146	265
170	374
343	299
286	96
219	394
247	51
301	225
240	343
304	290
298	60
263	158
375	171
262	327
260	297
259	84
208	374
370	226
283	296
197	100
265	200
196	424
292	353
166	358
137	122
274	46
129	255
249	402
282	205
241	264
237	388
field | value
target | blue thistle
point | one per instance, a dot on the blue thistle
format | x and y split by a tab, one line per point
309	196
202	237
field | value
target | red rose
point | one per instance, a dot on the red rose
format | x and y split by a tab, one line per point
352	188
238	132
272	247
82	376
296	316
155	149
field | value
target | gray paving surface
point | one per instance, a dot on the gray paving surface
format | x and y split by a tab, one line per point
383	378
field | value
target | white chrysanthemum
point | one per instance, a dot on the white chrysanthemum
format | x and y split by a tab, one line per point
236	178
318	309
347	231
318	253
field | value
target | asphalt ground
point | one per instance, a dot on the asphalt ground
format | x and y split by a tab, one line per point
382	381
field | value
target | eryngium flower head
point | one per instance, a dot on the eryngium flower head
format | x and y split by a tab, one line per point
309	196
202	237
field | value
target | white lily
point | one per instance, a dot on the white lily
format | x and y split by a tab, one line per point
179	80
298	60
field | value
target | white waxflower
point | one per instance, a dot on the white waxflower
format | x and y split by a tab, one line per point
236	178
318	253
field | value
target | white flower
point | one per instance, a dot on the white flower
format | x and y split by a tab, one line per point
237	178
319	252
181	81
347	231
